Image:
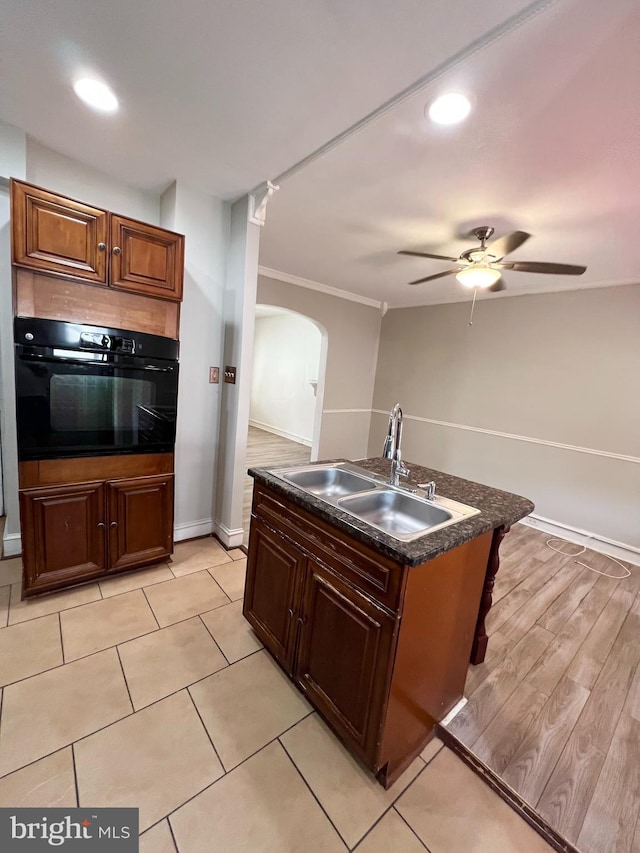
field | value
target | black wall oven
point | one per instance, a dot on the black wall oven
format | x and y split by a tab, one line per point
93	391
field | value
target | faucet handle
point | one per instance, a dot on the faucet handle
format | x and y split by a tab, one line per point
402	469
429	488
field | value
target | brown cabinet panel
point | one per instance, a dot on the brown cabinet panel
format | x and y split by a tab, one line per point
140	521
274	574
344	658
63	532
56	234
146	259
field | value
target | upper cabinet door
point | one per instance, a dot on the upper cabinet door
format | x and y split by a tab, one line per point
52	233
146	259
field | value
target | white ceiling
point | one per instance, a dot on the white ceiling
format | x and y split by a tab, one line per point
224	95
552	148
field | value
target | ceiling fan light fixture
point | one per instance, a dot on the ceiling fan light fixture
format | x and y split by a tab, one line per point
449	109
479	275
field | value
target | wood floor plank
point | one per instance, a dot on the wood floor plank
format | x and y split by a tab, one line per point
567	795
499	742
496	652
566	603
609	825
550	668
522	591
530	768
588	663
522	621
264	449
493	693
633	700
612	687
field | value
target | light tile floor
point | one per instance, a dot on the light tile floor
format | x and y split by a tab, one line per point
150	690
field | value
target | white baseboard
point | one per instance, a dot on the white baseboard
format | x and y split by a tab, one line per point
292	436
12	545
192	529
609	547
229	538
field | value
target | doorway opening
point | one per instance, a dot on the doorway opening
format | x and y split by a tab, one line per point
285	416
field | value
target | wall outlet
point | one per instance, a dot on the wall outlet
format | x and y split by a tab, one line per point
214	375
230	375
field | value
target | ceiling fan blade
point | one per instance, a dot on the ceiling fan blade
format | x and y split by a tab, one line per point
509	243
433	277
428	255
537	266
498	286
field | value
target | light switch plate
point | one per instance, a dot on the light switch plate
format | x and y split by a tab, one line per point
214	375
230	375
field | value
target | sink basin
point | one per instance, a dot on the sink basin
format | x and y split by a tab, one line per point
401	513
398	514
329	482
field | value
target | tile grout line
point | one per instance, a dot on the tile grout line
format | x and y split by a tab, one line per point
75	774
202	723
406	822
153	613
228	772
199	616
175	842
311	791
126	683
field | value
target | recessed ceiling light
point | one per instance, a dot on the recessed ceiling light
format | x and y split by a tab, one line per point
97	94
449	109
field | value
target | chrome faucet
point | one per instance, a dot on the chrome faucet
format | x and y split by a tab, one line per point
392	446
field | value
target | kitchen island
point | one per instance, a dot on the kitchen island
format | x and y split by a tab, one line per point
377	632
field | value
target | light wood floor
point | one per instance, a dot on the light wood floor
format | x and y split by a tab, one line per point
264	450
555	707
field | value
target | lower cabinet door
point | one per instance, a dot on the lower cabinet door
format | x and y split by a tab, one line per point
140	520
63	535
272	590
344	658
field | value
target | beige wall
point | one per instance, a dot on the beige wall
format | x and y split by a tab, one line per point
353	332
559	368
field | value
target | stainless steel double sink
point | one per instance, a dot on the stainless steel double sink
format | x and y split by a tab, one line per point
395	510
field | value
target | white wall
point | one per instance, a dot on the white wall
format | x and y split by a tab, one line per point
204	220
353	332
54	171
239	315
286	356
541	396
12	164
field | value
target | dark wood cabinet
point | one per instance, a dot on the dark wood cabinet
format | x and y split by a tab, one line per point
56	235
343	657
146	259
63	535
379	648
273	590
74	533
140	512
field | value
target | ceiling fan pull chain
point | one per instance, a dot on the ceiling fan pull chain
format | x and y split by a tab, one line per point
473	305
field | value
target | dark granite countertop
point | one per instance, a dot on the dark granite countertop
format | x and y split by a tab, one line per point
497	508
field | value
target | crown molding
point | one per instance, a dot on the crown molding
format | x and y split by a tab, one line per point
322	288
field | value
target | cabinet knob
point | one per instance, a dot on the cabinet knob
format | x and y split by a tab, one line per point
292	613
101	524
102	247
116	250
113	524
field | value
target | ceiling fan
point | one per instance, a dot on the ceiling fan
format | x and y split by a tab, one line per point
482	266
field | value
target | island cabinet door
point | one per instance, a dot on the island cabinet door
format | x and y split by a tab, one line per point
272	591
344	658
